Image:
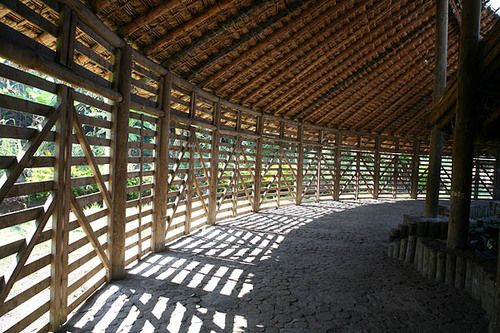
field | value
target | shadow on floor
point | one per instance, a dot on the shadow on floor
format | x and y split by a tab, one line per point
311	268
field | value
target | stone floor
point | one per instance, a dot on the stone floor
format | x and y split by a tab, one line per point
314	268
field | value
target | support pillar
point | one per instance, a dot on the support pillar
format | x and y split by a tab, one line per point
299	188
437	137
214	167
258	165
415	169
119	151
496	181
159	228
376	171
463	140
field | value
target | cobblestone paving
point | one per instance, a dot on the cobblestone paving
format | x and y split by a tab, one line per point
314	268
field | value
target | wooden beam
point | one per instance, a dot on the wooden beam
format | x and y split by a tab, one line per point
465	131
270	21
258	165
241	13
159	229
184	27
415	172
437	137
299	188
338	164
119	156
143	20
376	172
214	166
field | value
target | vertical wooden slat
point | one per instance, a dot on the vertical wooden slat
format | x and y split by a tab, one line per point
161	169
376	172
258	165
119	157
338	171
299	188
415	169
214	163
62	176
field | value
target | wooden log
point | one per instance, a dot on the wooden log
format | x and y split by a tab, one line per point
468	274
403	244
258	166
410	249
299	188
460	269
464	132
425	259
437	137
119	154
432	267
396	243
450	269
376	172
214	167
158	231
441	266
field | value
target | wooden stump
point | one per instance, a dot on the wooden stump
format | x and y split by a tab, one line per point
402	248
432	261
450	269
460	268
410	249
440	266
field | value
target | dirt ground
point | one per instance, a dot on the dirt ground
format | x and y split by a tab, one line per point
312	268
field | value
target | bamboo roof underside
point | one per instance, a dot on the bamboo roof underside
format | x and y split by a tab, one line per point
359	65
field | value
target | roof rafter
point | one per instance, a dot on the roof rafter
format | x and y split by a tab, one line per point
262	45
149	17
184	27
347	46
245	38
355	75
210	35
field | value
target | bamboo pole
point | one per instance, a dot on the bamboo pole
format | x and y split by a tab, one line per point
437	137
161	170
119	155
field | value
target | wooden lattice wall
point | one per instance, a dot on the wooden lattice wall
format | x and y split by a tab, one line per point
165	157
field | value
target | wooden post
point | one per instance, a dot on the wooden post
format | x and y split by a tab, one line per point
214	167
415	170
119	156
496	181
299	188
159	228
258	165
358	167
338	171
376	172
318	167
476	164
437	137
62	177
190	173
395	175
463	143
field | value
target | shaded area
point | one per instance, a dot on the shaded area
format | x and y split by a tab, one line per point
312	268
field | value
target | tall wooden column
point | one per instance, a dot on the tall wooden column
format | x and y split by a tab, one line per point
463	139
214	167
258	165
299	188
376	172
161	170
318	167
119	155
338	171
62	177
415	170
437	137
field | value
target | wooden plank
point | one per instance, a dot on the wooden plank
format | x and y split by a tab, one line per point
23	77
119	153
26	52
161	170
87	228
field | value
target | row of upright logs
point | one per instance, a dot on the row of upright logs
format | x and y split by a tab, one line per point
421	242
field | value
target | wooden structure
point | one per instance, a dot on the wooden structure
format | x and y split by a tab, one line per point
189	112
